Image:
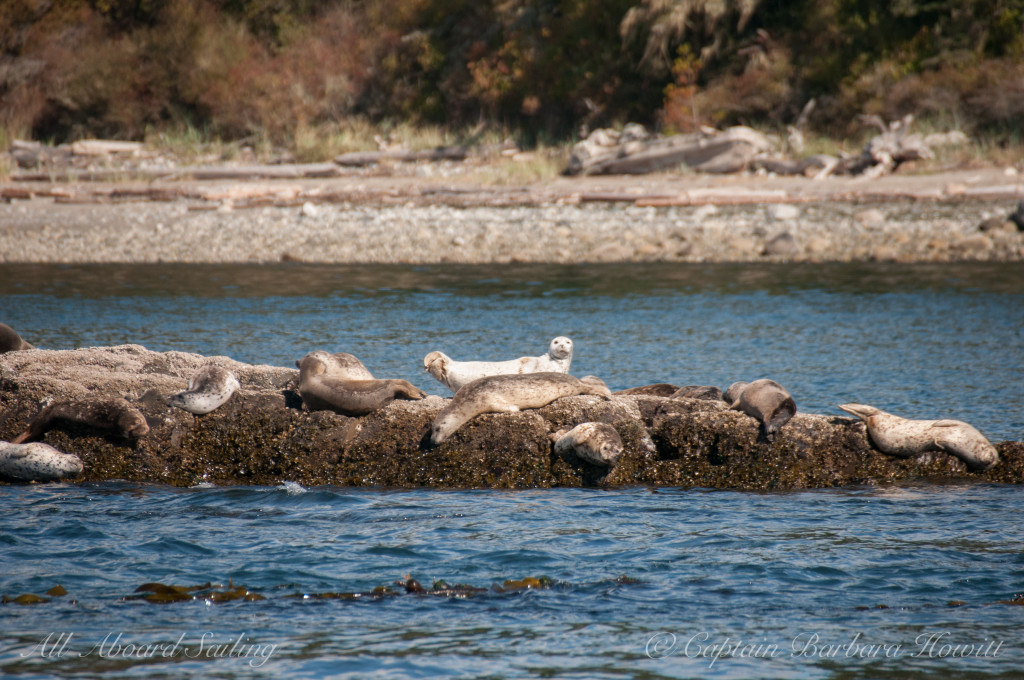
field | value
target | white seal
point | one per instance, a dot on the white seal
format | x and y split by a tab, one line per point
905	438
37	462
208	389
454	374
508	394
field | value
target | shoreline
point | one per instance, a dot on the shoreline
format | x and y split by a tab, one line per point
428	219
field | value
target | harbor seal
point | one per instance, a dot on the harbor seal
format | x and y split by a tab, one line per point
906	438
208	389
454	374
707	392
764	400
339	365
655	390
595	443
508	394
322	391
37	462
101	413
10	341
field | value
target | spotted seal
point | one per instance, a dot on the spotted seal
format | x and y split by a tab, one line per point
454	374
208	389
595	443
321	390
10	341
764	400
37	462
339	365
508	394
102	413
905	438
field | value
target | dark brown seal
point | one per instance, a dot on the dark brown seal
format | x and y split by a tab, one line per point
708	392
655	390
10	341
764	400
102	413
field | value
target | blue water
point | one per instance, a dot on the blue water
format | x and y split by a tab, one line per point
894	582
809	584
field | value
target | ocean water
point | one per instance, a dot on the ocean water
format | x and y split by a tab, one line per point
918	581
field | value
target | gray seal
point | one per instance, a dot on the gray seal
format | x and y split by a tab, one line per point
321	391
102	413
339	365
764	400
10	341
595	443
208	389
455	374
906	438
508	394
37	462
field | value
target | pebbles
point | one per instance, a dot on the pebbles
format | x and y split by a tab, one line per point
42	231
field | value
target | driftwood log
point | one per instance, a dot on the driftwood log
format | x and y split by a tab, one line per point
634	152
364	158
264	436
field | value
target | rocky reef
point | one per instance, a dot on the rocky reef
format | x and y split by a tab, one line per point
263	435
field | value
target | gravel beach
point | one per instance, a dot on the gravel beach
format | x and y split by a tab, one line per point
673	218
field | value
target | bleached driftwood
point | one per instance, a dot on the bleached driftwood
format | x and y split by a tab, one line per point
633	152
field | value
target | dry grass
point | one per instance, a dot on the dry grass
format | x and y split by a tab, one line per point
522	168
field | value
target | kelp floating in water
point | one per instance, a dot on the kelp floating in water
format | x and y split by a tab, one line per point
30	598
160	593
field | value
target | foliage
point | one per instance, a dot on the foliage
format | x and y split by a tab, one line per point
292	72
